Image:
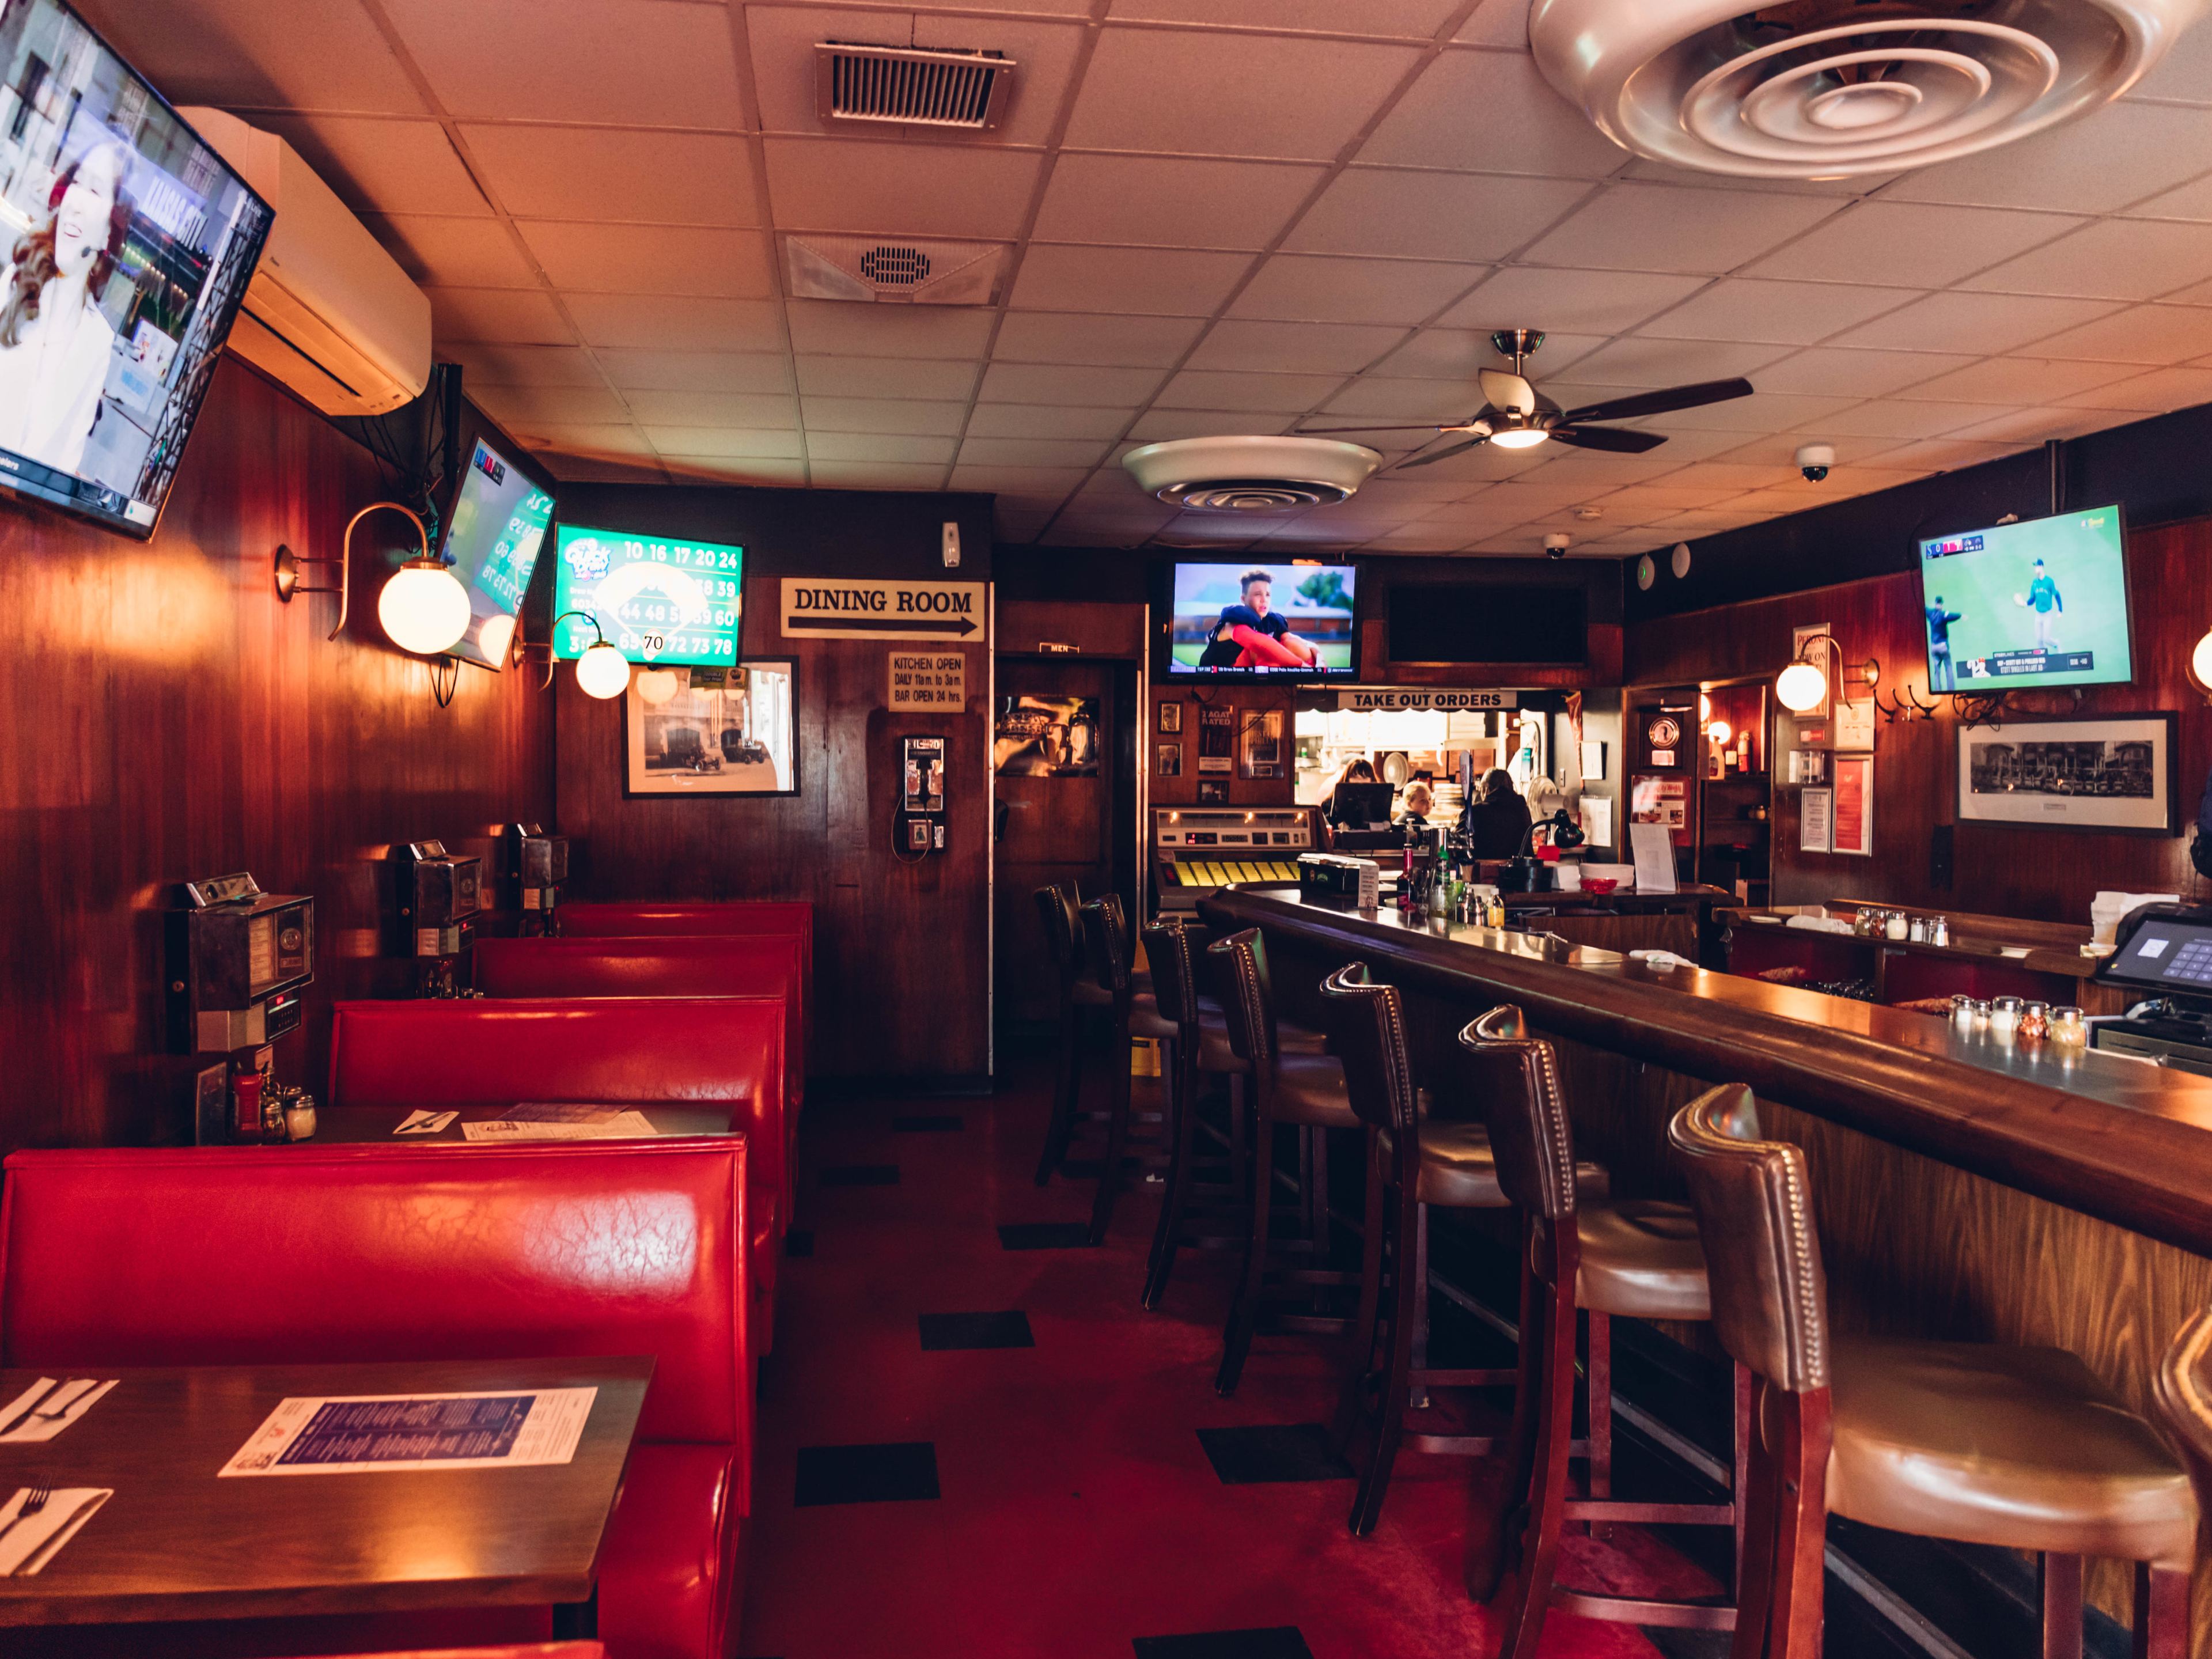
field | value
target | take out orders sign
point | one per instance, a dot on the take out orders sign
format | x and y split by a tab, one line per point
841	608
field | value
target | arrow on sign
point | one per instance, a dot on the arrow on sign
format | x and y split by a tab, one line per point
887	625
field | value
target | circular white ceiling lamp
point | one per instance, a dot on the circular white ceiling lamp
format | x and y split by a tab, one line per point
1832	88
1251	475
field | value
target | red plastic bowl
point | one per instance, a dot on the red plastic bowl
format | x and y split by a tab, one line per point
1599	884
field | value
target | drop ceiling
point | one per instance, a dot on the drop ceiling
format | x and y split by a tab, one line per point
1226	216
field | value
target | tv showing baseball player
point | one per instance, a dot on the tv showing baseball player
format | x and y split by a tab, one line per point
2034	604
1260	618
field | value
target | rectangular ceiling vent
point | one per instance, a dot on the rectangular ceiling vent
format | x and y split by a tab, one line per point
913	270
910	86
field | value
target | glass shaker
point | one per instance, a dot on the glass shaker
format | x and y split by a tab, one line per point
300	1116
1962	1015
2035	1021
2004	1017
2068	1028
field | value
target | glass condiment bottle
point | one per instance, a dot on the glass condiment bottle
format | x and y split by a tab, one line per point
300	1116
1939	931
1979	1017
1917	930
2035	1021
272	1116
2068	1028
1962	1014
1898	928
2004	1017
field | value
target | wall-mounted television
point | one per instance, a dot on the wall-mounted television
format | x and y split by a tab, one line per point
2026	605
656	599
128	245
1262	618
492	539
1472	622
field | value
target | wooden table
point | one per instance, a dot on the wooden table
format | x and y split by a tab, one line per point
176	1542
376	1123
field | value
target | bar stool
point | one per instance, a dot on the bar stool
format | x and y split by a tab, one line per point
1056	904
1641	1259
1106	934
2020	1447
1305	1090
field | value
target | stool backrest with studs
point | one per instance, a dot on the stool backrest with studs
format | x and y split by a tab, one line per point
1248	1000
1056	902
1175	978
1106	935
1516	1076
1754	1205
1366	1026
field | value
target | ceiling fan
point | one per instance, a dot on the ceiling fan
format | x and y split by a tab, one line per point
1516	415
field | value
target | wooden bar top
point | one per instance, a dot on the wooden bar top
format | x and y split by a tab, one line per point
2118	1139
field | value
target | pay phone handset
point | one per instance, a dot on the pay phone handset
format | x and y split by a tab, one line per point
436	896
918	827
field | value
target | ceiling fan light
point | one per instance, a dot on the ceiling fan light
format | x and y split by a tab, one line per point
1519	437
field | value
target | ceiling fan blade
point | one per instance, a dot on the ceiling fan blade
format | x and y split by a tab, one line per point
1443	454
1659	403
1502	391
1331	431
1621	441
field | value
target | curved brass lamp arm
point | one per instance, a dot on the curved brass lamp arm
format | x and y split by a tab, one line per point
287	563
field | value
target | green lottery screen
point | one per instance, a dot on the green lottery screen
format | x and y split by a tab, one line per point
2044	602
656	601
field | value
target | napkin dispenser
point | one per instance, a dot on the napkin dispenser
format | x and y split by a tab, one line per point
1340	883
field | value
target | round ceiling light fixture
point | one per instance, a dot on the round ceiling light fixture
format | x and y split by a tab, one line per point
1251	475
1834	88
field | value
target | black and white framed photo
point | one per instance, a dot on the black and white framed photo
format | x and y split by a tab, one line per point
2113	776
712	731
1170	719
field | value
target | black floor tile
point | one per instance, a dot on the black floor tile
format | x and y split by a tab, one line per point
1044	1236
1283	1642
901	1472
928	1123
859	1175
798	1243
943	1332
1273	1452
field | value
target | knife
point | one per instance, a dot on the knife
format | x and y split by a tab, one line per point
57	1406
45	1551
40	1390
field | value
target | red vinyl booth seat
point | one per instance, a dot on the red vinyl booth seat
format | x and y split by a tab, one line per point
793	918
113	1257
512	1650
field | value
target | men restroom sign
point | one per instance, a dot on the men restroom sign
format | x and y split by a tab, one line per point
843	608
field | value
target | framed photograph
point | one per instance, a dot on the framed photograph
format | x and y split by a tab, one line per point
1213	791
1262	756
1170	760
1171	720
719	731
1042	737
2115	776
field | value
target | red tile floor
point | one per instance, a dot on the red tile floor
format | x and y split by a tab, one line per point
1076	1513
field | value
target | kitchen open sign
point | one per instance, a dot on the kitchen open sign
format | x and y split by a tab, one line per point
929	682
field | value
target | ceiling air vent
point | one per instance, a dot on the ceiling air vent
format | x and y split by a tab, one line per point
910	86
894	269
1834	88
1250	475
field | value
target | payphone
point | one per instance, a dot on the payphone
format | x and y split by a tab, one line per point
237	961
534	866
437	895
918	828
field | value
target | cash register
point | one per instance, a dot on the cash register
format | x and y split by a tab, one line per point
2163	957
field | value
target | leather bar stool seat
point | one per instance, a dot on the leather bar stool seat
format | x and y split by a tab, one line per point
1090	993
2020	1447
1215	1055
1642	1259
1310	1089
1459	1169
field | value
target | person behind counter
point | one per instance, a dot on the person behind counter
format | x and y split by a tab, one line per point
1353	799
1494	824
1420	803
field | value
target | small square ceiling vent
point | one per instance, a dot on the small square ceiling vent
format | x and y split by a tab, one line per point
910	86
894	269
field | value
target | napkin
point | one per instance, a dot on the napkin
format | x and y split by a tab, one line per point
425	1123
25	1546
38	1414
1660	959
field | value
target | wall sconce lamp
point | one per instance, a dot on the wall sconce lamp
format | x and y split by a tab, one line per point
1804	685
602	672
2200	665
423	608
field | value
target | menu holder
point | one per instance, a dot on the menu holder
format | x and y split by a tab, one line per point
355	1434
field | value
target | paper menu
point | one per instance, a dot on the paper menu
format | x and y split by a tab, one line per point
1652	851
620	1126
353	1434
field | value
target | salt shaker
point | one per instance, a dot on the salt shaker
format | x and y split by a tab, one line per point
300	1116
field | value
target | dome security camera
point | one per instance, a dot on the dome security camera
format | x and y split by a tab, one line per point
1555	544
1813	460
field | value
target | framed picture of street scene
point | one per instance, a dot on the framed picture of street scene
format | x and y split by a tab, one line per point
2111	776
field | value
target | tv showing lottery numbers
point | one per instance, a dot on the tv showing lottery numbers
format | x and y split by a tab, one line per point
656	601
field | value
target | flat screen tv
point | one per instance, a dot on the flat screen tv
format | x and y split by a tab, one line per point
2043	603
492	539
1488	622
1262	619
656	599
129	245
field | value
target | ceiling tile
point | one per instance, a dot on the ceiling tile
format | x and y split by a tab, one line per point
497	316
620	62
614	442
1031	452
1498	23
1272	393
1907	245
2112	259
1314	348
1286	97
886	377
1430	215
312	54
1455	354
2155	394
1054	336
846	328
457	252
1777	455
1417	19
617	174
725	442
1029	483
1159	425
2140	334
508	365
735	469
1789	313
1315	289
2191	201
879	447
1171	202
1897	418
1763	411
697	371
1836	371
1044	421
1409	490
1642	362
868	188
2020	380
383	166
1677	496
1162	281
762	409
2123	153
876	475
1054	383
1630	226
2035	426
1387	399
2183	75
1943	454
1490	112
1569	301
570	469
517	406
730	265
893	415
1973	322
655	319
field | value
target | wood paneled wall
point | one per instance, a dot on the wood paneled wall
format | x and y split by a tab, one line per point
167	718
2044	874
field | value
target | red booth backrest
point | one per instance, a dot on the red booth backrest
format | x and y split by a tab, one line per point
242	1256
794	917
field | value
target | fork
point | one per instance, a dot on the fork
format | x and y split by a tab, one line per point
40	1497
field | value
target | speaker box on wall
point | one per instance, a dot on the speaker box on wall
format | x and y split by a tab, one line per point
1939	857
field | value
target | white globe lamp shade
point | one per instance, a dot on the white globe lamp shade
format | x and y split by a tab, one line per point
424	609
1720	732
603	671
1802	686
658	685
2200	662
496	635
